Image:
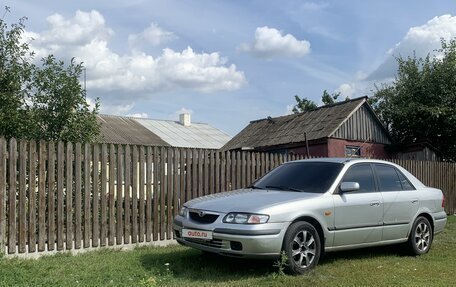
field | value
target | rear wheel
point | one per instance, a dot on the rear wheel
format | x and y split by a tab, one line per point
302	247
421	236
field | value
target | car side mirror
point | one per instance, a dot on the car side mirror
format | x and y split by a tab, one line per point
349	186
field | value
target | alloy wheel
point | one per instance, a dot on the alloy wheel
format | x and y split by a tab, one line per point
422	236
304	249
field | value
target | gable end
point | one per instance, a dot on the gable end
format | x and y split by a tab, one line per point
364	126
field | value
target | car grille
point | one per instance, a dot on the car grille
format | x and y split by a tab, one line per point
205	219
215	243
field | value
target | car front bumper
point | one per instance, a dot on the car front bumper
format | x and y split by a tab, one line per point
250	241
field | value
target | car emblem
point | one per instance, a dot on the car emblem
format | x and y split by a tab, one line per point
201	213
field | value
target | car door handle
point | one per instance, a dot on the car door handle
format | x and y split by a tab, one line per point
414	200
375	203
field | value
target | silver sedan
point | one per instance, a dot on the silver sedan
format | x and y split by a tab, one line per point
308	207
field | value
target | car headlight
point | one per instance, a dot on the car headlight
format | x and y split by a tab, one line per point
245	218
183	211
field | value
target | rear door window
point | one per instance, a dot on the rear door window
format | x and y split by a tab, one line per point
406	185
388	179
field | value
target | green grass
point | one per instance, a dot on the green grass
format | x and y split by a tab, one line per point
387	266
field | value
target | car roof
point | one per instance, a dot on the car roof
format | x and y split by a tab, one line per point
342	160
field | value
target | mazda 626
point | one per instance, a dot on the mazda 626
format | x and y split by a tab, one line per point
307	207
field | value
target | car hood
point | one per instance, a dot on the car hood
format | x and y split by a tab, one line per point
246	200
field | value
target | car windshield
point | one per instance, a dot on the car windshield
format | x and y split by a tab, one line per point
315	177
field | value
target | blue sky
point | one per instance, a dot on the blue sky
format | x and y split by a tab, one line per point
230	62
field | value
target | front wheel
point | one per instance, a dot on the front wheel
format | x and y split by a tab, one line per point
420	238
302	247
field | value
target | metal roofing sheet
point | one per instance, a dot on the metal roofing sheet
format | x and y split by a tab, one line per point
197	135
139	131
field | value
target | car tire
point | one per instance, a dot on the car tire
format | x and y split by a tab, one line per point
302	247
421	236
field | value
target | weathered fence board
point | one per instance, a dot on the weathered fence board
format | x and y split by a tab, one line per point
60	180
56	196
22	230
119	195
149	194
95	195
103	198
78	196
31	198
127	194
51	196
162	193
87	195
42	197
156	170
69	196
3	156
12	196
134	197
142	223
169	192
112	181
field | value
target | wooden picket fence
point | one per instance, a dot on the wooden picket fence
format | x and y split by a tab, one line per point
57	196
64	196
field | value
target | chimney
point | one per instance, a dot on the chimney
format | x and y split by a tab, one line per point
185	119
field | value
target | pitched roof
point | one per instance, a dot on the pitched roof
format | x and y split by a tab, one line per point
197	135
141	131
319	123
125	130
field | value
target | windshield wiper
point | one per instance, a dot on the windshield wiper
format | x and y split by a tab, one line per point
284	187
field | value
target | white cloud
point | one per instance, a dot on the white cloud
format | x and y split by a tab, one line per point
91	103
115	77
346	90
422	40
270	42
117	108
313	6
153	35
83	28
138	115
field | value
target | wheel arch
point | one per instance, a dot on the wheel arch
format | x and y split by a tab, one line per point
426	215
317	226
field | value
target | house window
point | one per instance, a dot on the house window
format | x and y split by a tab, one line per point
352	151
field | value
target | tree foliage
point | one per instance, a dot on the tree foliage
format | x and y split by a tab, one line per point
15	72
328	99
420	105
41	101
306	105
303	105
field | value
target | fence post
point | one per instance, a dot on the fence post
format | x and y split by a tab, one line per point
2	194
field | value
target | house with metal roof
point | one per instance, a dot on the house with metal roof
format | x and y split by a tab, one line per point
152	132
344	129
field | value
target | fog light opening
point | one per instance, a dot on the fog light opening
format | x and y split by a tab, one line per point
236	245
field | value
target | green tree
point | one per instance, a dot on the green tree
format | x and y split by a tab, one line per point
420	105
303	105
59	107
43	101
329	99
15	73
306	105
